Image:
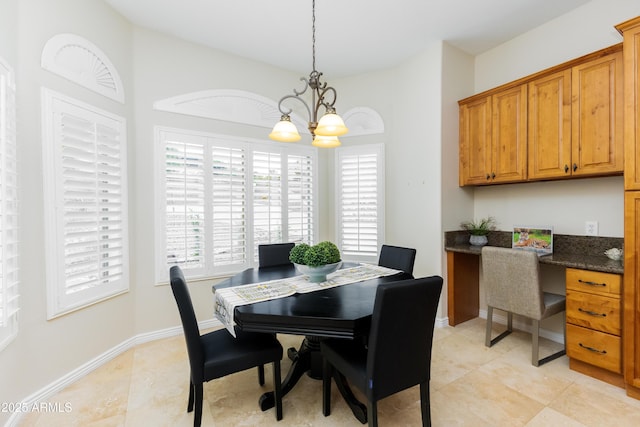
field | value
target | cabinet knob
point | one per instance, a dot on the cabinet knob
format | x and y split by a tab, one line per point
566	168
488	177
493	175
575	167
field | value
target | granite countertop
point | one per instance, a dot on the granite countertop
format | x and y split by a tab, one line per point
583	252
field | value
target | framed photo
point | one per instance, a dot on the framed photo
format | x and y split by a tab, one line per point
536	239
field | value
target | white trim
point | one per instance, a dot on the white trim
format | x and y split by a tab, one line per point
59	302
379	150
80	61
363	121
230	105
66	380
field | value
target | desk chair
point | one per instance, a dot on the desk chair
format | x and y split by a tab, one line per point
397	257
274	254
511	279
217	354
398	355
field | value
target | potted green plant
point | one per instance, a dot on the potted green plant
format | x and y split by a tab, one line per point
316	261
479	229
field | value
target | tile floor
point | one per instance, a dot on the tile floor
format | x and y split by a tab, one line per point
471	385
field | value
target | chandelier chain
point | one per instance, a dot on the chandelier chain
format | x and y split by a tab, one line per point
313	28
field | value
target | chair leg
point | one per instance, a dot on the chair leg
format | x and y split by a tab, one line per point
425	404
190	404
535	326
372	413
487	339
261	374
197	419
554	356
326	387
277	389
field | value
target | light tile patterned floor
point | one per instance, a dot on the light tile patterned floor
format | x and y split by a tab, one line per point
471	385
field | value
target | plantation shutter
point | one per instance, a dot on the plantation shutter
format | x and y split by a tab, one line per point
88	246
229	208
267	199
300	199
359	191
9	292
185	204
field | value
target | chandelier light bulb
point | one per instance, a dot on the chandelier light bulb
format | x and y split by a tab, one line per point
285	131
331	124
326	141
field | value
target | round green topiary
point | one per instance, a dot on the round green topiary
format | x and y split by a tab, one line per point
297	253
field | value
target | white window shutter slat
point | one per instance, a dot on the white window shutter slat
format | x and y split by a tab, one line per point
359	201
86	206
9	274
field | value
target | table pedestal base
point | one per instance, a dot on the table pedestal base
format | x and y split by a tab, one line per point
308	359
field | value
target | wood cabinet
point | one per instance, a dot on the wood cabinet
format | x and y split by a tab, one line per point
594	343
493	138
575	120
631	292
549	136
563	122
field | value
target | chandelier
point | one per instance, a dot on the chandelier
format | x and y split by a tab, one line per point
325	132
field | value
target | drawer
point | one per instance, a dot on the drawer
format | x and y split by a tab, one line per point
595	348
594	282
594	311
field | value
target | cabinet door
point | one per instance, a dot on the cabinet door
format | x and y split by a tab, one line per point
596	116
631	293
631	48
509	135
475	142
549	142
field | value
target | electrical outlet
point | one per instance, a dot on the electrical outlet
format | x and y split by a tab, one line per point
591	228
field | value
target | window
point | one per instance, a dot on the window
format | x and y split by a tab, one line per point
9	296
85	186
220	197
360	201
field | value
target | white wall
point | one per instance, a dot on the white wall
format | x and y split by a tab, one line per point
565	205
164	67
45	350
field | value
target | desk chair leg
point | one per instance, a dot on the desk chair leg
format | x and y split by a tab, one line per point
535	326
261	374
487	340
191	391
197	418
535	347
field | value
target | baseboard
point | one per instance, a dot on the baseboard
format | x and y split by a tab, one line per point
51	389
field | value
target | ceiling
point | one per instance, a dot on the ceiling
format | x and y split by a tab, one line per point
352	36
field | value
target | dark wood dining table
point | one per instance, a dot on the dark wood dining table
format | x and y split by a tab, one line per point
338	312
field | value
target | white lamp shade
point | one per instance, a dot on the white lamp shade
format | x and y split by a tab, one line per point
285	131
331	124
326	141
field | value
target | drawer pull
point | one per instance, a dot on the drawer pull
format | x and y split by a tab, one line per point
591	313
595	350
586	282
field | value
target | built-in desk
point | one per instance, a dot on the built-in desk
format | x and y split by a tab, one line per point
593	281
463	264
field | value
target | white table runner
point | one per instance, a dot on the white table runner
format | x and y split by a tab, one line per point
227	299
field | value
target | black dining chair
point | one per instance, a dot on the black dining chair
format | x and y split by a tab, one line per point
274	254
397	257
398	354
217	354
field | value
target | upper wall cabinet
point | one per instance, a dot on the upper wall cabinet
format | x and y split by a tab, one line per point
560	123
493	133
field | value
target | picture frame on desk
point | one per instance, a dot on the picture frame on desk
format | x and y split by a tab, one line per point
535	239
